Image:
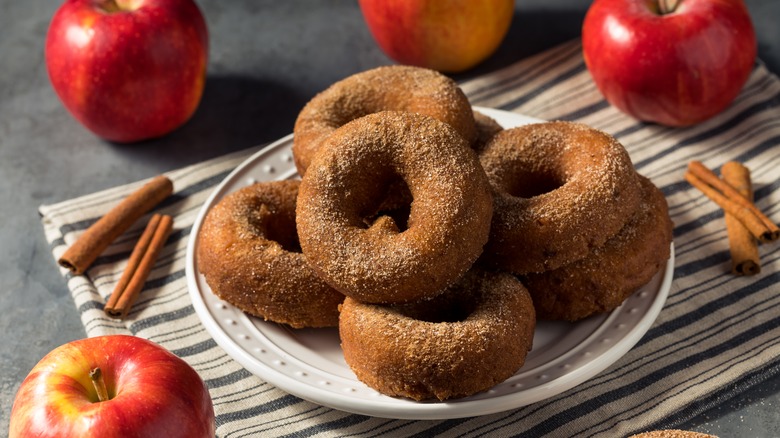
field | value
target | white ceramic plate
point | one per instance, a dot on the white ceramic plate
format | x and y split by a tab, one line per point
309	364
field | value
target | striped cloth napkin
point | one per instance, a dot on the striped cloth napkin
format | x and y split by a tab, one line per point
717	335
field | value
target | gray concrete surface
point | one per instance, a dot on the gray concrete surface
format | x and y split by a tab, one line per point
267	59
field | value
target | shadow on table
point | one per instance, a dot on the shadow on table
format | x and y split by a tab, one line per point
728	407
237	112
530	33
234	113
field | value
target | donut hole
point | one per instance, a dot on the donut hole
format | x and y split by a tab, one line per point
399	215
284	233
276	226
535	183
395	203
452	306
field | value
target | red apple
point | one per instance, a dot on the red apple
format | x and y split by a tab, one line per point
150	393
128	70
444	35
674	62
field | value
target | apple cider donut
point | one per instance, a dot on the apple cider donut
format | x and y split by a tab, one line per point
672	433
382	259
560	189
467	340
607	276
249	253
388	88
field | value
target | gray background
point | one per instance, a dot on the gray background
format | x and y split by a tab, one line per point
267	59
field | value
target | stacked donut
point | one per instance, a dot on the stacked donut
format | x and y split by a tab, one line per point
572	218
419	227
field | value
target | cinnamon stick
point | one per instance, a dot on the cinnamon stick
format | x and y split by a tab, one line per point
732	202
743	246
139	265
94	241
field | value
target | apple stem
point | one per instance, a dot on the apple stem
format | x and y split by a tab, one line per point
667	6
100	385
109	6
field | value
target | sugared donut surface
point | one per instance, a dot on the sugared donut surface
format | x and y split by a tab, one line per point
474	336
609	274
672	433
561	189
380	259
248	251
388	88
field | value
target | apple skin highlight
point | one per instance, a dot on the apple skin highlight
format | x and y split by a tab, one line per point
677	67
152	393
131	71
448	36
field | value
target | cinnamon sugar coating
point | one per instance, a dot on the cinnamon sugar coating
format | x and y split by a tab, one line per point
248	252
377	257
388	88
672	433
560	189
609	274
472	337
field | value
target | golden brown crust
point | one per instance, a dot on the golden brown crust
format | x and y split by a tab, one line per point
388	88
672	433
609	274
560	189
402	350
247	250
370	259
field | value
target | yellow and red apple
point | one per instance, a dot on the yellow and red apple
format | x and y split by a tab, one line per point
445	35
128	70
673	62
112	386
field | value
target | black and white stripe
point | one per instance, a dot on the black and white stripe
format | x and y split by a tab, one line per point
717	335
